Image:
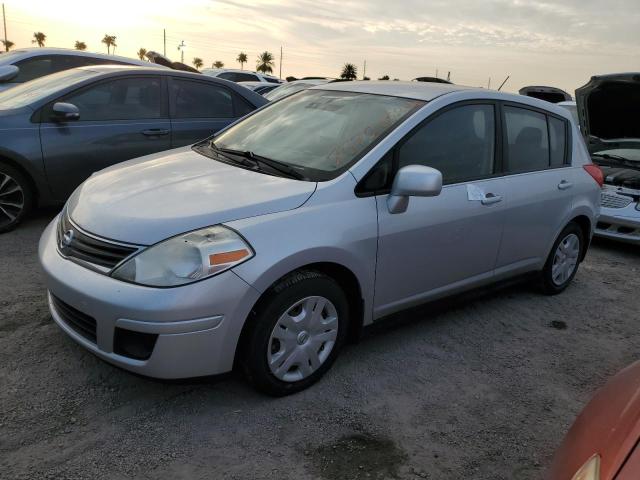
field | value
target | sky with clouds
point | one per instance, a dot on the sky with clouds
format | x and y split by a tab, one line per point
560	43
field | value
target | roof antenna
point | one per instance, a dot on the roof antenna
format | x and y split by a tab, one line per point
505	81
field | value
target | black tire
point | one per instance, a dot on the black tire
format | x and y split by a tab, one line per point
278	300
15	189
548	285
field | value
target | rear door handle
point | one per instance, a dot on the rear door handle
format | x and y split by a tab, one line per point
490	199
152	132
564	185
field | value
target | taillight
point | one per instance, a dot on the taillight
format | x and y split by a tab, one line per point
595	172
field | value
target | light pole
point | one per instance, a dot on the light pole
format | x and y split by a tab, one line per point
181	48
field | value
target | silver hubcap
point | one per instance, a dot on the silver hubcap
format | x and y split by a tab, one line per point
302	339
565	259
11	199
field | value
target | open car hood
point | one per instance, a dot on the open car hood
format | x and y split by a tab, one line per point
158	58
609	111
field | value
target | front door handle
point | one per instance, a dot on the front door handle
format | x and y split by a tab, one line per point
564	185
153	132
490	199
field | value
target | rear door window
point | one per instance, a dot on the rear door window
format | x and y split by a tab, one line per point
201	100
41	65
527	140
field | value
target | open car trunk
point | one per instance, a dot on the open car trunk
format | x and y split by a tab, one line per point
549	94
155	57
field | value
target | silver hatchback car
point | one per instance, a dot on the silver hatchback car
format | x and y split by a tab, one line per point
269	244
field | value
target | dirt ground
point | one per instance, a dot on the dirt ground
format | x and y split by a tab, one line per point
482	389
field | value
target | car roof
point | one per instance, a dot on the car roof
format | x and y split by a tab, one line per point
32	52
416	90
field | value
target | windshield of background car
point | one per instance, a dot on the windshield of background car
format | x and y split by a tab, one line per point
321	132
29	92
289	89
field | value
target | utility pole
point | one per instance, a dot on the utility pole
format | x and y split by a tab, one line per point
489	84
4	20
436	73
280	62
164	36
364	70
181	48
449	76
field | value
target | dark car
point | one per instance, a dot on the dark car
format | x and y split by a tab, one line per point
57	130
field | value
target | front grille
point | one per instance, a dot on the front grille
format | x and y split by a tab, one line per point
74	243
78	321
611	200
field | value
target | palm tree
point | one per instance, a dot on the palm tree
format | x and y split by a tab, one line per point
385	77
242	59
265	62
7	44
80	45
142	53
349	72
39	38
109	41
218	64
197	62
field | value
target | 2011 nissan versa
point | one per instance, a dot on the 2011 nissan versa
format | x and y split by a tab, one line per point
270	243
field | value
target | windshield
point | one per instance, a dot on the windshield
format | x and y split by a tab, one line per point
7	58
290	89
29	92
320	132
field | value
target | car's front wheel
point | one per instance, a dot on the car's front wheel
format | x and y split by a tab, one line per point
296	333
16	197
563	261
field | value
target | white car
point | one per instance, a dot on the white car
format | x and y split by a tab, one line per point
19	66
235	75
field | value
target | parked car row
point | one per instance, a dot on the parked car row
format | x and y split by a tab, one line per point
279	226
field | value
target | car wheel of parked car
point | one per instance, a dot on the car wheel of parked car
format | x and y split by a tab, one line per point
15	197
563	261
296	333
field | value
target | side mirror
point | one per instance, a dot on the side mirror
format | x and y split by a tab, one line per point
413	181
8	72
64	112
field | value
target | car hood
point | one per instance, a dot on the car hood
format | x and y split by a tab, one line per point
608	109
152	198
609	426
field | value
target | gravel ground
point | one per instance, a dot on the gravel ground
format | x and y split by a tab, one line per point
482	388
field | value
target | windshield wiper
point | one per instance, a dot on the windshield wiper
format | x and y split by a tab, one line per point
608	156
260	160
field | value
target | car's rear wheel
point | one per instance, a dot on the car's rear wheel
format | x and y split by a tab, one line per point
296	333
16	197
563	261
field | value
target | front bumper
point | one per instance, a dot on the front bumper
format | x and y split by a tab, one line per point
196	327
622	224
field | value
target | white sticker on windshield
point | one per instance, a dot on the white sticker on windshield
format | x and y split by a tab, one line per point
474	193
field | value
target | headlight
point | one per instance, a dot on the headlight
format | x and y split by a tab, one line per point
186	258
590	470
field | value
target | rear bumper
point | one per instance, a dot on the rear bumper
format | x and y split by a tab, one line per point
622	224
195	328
